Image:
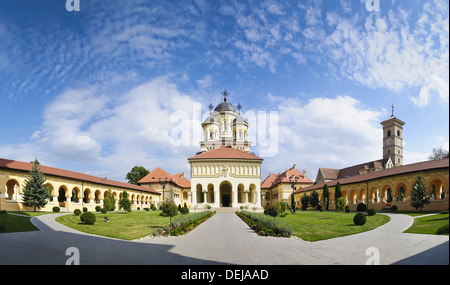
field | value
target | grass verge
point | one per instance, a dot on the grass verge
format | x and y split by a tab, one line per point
429	224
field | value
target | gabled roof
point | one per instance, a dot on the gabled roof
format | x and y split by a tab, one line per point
47	170
225	152
409	168
274	179
158	173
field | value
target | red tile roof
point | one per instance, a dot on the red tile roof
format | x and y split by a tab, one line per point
25	166
225	152
274	179
158	173
414	167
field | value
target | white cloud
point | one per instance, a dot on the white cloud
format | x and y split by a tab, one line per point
325	132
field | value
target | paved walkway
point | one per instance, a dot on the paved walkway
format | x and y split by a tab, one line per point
223	239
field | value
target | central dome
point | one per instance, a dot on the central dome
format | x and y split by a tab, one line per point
225	106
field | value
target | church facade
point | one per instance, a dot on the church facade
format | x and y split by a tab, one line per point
225	173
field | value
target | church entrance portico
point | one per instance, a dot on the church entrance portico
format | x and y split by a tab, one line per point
225	194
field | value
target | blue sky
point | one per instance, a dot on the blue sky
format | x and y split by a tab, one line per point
96	91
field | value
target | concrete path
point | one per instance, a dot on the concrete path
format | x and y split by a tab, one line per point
223	239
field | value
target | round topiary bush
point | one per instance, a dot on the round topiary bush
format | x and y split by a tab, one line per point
103	210
98	208
347	209
371	212
394	209
361	207
56	209
88	218
359	219
442	230
85	209
77	212
184	210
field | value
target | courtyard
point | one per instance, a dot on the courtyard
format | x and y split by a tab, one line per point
224	239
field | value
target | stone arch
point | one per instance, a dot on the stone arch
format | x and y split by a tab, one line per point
352	197
87	196
199	192
12	189
252	193
225	194
51	189
387	193
374	194
76	194
241	193
62	194
97	196
209	195
436	187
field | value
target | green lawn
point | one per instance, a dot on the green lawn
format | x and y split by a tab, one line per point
315	225
428	224
122	225
13	223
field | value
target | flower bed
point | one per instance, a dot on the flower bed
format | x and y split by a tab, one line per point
185	223
264	225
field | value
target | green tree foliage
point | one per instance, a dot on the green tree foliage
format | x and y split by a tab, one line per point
419	195
338	192
125	203
136	174
169	209
326	194
271	211
35	193
340	205
314	199
305	202
109	203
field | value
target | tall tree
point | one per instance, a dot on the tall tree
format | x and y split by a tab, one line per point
35	193
419	195
314	199
337	191
326	199
124	202
438	153
136	174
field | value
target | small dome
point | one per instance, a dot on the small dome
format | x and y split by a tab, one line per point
239	119
210	119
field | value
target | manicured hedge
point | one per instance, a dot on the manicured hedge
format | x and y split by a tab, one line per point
185	223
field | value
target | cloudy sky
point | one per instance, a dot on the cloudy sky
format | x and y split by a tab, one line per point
125	83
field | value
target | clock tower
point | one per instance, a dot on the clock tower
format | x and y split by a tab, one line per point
393	139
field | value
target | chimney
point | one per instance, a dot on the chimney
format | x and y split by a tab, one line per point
182	174
304	173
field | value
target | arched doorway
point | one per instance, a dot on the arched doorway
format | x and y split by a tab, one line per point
225	194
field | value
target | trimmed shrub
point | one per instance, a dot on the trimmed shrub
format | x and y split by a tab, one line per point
103	210
77	212
359	219
98	208
347	209
88	218
394	208
442	230
371	212
184	210
3	212
56	209
85	209
361	207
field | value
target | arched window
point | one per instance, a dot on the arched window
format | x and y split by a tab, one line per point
389	133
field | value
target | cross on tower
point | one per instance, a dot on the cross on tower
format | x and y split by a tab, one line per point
239	107
210	107
392	110
225	94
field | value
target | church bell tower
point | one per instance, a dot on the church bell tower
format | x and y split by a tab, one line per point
393	139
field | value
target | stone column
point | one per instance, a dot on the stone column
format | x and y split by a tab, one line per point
234	192
216	196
